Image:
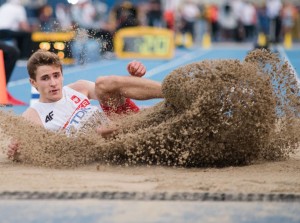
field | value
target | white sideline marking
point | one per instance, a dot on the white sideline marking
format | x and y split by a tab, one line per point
282	52
174	63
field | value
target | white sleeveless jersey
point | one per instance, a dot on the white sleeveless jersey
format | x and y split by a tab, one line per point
73	112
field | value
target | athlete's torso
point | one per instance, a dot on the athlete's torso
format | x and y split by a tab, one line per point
70	113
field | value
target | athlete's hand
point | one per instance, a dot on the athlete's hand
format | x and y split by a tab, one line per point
136	68
107	132
13	151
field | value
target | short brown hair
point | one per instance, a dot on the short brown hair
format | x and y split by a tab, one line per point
40	58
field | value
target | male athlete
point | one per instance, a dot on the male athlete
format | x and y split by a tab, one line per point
67	108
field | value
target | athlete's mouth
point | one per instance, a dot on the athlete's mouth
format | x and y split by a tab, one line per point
54	91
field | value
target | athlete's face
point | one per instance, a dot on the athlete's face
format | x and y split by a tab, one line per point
49	83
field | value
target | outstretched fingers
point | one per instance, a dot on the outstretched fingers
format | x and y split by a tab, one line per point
13	151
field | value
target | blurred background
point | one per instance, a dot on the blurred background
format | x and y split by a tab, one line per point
163	34
95	23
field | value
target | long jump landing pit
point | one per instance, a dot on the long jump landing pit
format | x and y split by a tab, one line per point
261	192
216	114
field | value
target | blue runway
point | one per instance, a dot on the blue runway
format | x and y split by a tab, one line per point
96	211
20	88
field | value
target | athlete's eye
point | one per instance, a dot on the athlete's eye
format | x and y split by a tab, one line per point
45	78
56	75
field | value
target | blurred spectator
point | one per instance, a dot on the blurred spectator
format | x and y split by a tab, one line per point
189	13
11	55
84	15
125	15
228	22
237	6
212	15
263	20
63	16
14	26
296	28
154	14
45	16
86	18
273	12
248	19
169	13
289	16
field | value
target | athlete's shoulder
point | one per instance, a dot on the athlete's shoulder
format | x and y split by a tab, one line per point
79	86
84	87
32	115
29	112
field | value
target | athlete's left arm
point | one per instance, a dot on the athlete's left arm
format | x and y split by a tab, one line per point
85	87
134	68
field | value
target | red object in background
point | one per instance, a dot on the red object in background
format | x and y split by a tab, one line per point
13	101
170	19
5	97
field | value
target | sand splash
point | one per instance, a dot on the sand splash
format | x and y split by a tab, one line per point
215	113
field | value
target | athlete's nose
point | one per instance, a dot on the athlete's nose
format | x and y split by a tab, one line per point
52	82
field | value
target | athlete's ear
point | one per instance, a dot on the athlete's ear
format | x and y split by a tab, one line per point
33	83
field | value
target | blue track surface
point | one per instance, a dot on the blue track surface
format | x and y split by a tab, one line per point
20	88
77	211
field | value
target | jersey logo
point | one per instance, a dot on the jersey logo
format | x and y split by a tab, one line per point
75	99
83	104
49	117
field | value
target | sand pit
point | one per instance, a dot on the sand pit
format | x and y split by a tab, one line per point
225	126
267	177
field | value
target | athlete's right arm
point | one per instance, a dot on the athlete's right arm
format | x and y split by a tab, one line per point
32	116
